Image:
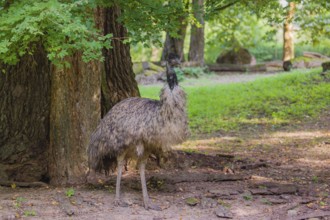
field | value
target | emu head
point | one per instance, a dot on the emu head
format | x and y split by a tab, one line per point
173	61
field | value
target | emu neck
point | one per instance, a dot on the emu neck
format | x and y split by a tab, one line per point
172	99
172	79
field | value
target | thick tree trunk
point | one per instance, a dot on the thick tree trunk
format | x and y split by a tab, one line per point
288	38
196	48
118	79
24	118
47	113
75	113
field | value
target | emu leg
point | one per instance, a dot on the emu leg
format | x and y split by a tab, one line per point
119	174
146	201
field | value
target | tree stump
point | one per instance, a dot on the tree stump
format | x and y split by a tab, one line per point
287	65
326	66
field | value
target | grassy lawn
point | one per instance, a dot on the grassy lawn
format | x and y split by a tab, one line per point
273	101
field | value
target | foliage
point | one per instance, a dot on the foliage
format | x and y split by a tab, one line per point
247	197
67	27
270	51
146	19
314	19
312	16
234	28
267	52
188	72
61	27
272	101
70	192
28	213
18	202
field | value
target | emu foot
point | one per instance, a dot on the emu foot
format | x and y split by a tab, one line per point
121	203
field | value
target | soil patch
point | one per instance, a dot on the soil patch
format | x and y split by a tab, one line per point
281	174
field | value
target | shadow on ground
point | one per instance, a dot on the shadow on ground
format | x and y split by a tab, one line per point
283	174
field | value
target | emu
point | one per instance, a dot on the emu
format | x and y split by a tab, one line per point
137	127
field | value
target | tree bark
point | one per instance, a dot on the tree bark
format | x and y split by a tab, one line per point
75	113
24	117
288	38
196	48
47	113
118	78
176	44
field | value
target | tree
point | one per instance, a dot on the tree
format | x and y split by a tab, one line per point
24	117
196	48
63	108
174	41
175	44
288	38
118	80
75	113
59	45
70	110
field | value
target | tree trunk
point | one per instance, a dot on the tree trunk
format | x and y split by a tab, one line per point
75	113
288	38
196	48
118	78
48	113
176	44
24	117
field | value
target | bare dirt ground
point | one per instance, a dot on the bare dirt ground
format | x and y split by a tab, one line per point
255	174
260	174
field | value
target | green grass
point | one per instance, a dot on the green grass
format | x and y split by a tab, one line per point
274	101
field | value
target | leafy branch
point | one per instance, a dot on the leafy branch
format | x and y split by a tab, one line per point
61	28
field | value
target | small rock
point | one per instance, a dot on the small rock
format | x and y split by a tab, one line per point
240	191
286	197
284	189
219	192
9	217
223	192
69	212
208	203
222	212
277	201
292	212
306	200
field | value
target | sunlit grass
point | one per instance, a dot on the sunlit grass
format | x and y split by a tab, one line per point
274	101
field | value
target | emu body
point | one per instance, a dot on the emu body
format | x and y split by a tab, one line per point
138	127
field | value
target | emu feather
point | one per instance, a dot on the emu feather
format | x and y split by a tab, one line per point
138	127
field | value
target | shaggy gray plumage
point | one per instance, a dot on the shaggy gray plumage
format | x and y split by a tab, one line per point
138	127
